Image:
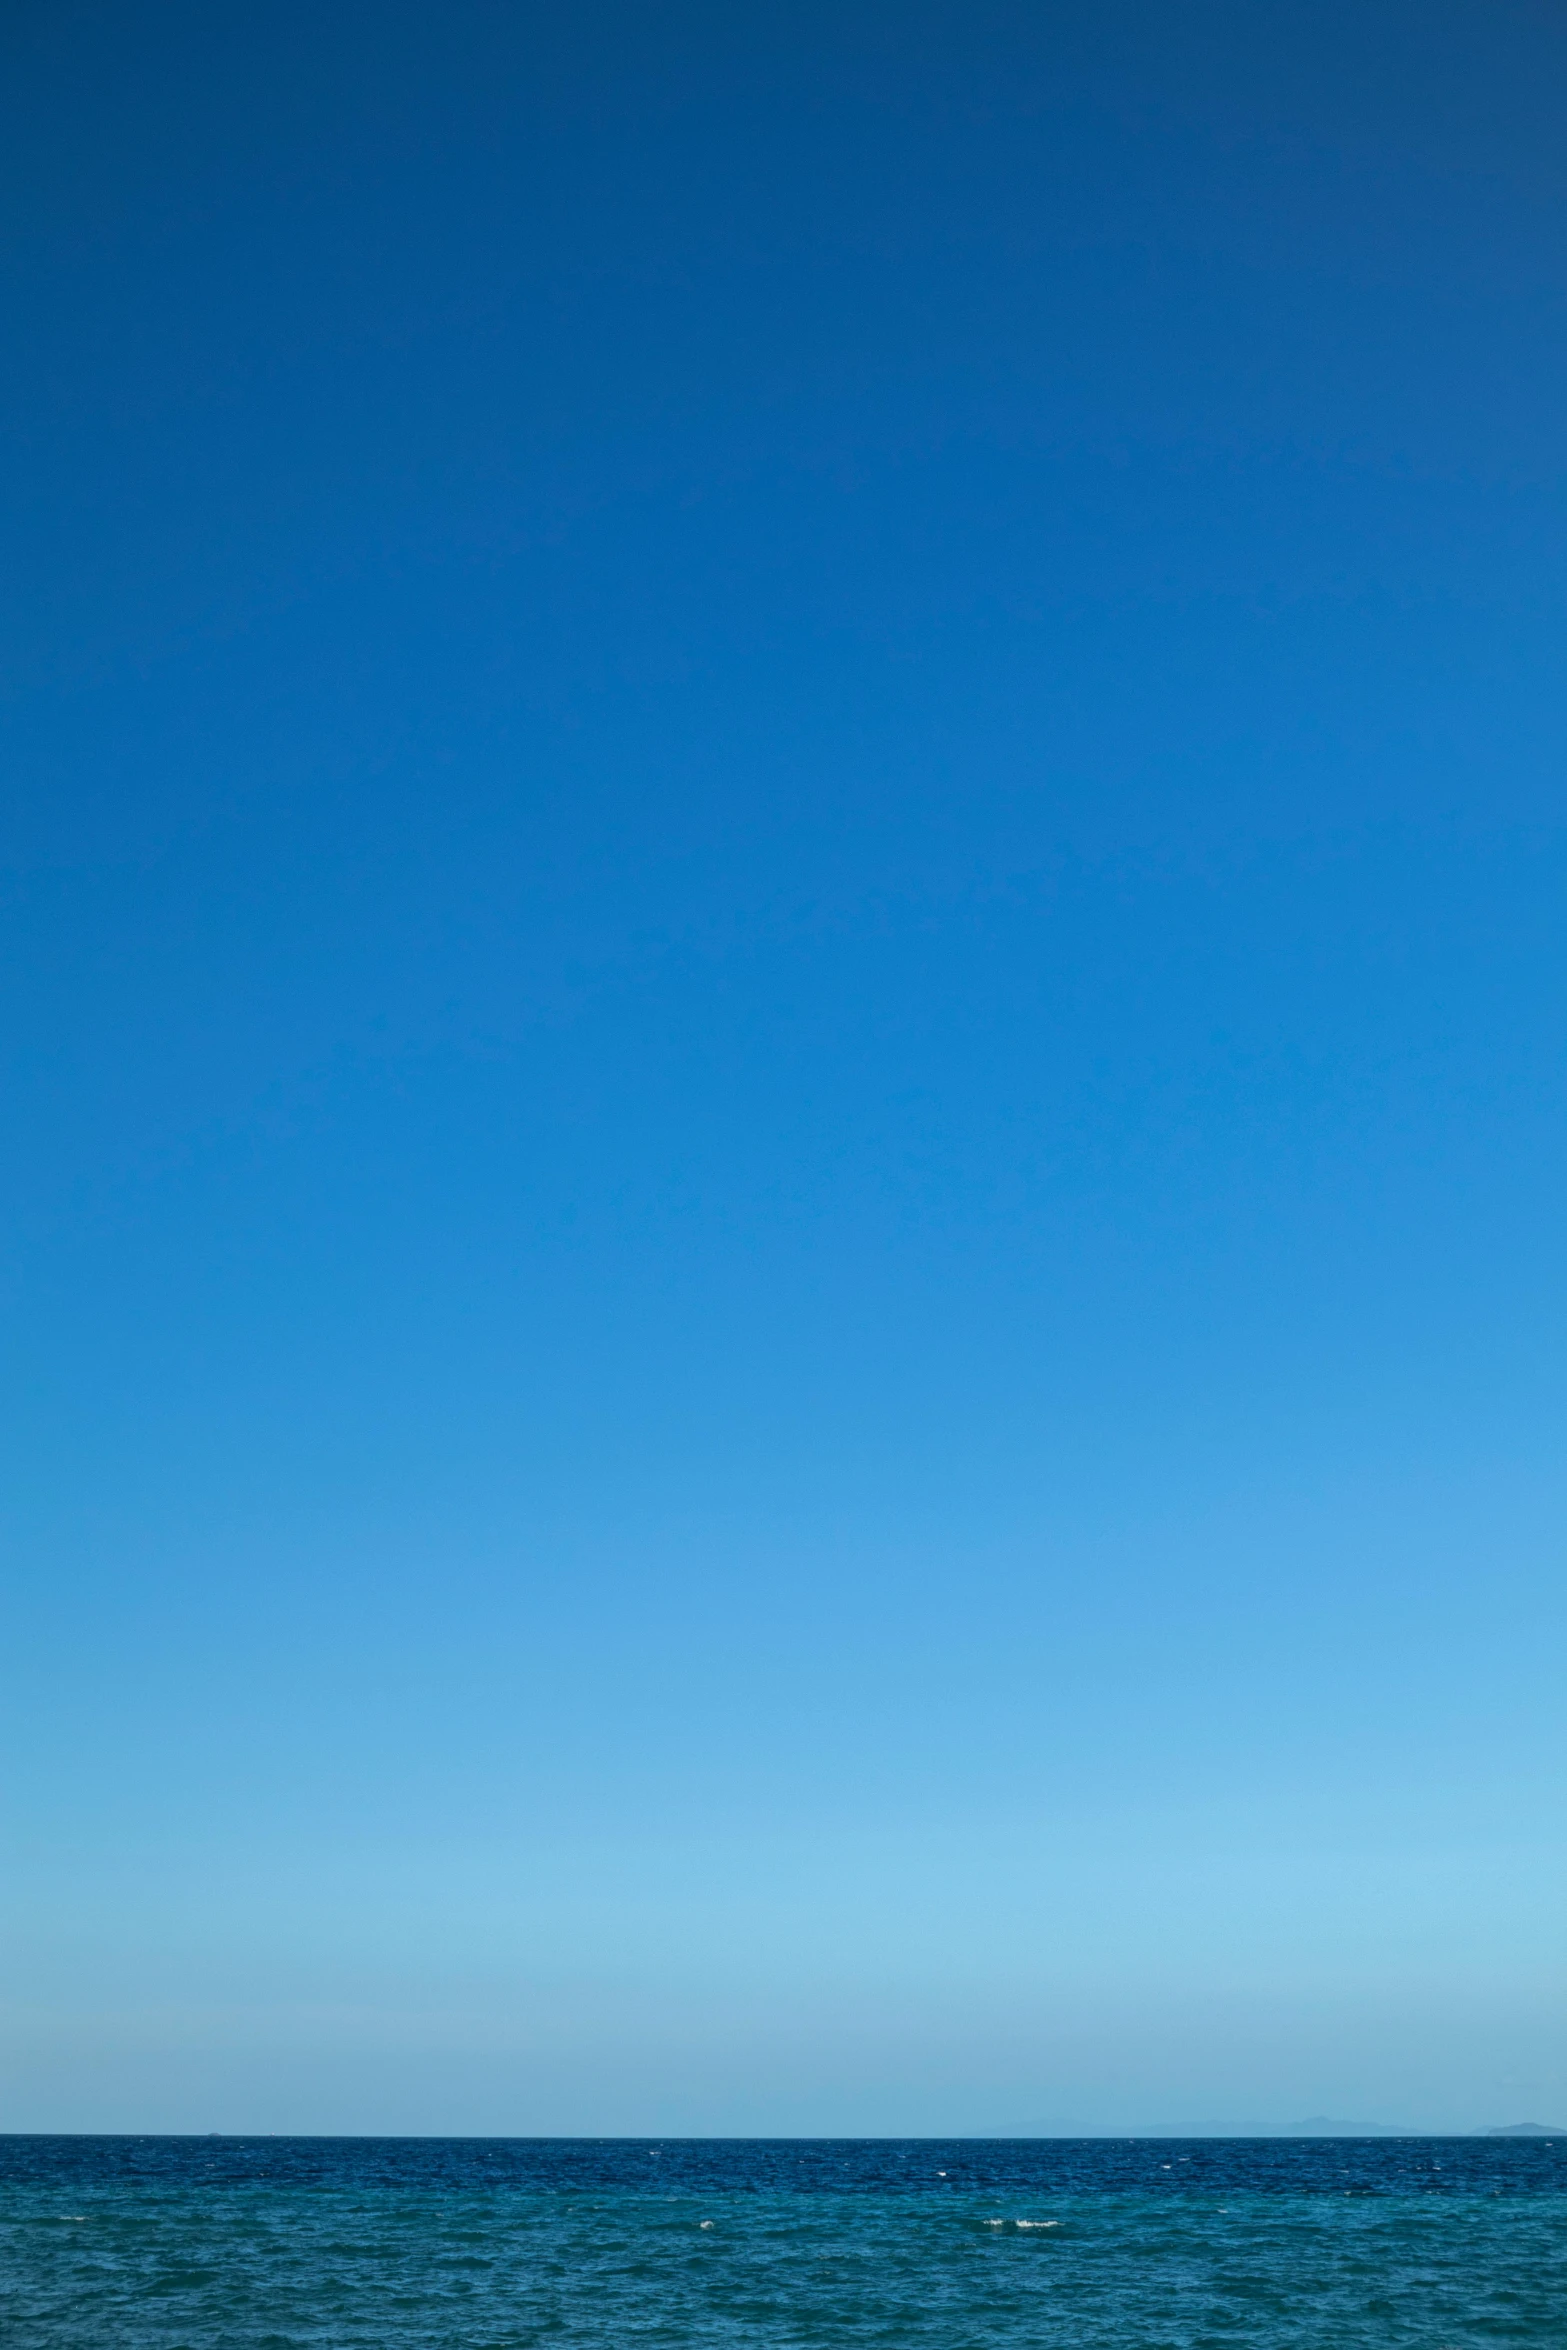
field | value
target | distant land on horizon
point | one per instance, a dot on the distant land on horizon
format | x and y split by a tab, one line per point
1317	2125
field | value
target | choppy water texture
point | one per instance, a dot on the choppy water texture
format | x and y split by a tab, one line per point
491	2244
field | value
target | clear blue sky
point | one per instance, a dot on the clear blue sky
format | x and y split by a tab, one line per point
786	1018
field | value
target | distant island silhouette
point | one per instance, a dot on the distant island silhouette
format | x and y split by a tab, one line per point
1316	2125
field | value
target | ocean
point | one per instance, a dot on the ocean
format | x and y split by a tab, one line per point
600	2244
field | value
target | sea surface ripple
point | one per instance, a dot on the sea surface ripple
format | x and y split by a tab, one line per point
493	2244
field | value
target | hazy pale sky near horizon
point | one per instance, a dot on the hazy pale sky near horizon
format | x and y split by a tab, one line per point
786	1016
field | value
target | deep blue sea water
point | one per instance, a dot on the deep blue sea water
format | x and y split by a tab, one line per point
491	2244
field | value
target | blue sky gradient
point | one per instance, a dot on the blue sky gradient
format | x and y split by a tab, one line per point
783	933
